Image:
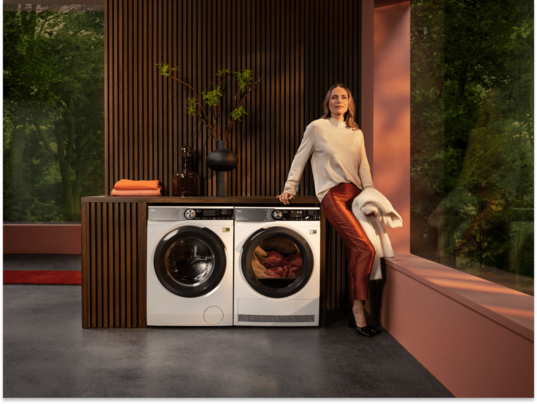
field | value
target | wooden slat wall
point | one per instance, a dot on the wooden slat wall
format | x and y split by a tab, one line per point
113	265
301	46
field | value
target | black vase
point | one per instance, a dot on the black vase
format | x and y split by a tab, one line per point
222	161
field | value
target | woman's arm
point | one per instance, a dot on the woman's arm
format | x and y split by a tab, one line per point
363	170
299	162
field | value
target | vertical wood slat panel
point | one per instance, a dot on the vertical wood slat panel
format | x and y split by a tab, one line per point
135	269
128	265
86	267
144	109
116	264
141	268
111	225
92	275
115	155
96	229
119	75
130	94
107	172
122	276
112	267
105	265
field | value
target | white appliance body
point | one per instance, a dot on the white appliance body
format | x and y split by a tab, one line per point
256	302
190	266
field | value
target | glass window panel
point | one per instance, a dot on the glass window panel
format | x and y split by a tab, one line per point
472	170
53	116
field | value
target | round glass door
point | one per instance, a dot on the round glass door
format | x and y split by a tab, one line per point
277	261
190	261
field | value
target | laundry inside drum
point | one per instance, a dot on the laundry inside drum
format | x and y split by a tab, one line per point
276	261
189	261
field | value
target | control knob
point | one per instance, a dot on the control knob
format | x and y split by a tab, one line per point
277	214
190	214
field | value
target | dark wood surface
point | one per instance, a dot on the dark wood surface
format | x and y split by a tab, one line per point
302	47
212	200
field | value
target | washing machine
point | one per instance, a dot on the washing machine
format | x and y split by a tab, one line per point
277	266
190	266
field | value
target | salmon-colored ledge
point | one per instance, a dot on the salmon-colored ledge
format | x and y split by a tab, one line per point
508	307
24	238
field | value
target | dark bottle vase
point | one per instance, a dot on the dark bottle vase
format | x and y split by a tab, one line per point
222	161
186	182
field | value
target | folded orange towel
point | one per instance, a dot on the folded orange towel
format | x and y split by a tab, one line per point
129	185
137	192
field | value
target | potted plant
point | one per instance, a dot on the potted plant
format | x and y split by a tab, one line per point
222	160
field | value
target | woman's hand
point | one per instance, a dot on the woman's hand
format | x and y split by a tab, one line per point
285	198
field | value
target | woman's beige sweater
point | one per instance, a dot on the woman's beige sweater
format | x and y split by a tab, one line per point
338	157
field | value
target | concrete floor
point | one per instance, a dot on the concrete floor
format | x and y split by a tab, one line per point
48	354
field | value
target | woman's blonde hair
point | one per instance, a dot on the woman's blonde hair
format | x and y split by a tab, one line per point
349	115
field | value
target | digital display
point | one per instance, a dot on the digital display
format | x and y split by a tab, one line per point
209	213
296	213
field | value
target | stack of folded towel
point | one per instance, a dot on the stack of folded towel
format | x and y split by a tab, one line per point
137	188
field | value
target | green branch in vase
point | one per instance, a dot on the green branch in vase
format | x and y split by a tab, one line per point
212	98
238	111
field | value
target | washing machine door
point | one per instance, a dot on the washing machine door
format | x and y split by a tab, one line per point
277	261
190	261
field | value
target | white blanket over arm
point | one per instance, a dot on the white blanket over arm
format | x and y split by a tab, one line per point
372	201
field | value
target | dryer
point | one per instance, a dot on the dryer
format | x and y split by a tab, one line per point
190	266
277	266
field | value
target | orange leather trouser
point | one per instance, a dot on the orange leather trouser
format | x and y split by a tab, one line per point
337	206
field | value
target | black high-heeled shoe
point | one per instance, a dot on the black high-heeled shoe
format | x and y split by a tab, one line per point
367	330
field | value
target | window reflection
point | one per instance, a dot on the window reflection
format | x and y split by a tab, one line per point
472	138
53	109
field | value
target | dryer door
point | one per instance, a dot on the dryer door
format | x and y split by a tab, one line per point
277	261
190	261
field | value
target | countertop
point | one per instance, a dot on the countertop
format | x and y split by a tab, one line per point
213	200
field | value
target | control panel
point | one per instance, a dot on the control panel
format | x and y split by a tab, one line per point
179	213
296	215
208	214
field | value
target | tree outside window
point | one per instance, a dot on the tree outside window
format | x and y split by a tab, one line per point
472	137
53	110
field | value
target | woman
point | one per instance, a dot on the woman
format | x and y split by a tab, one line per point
340	172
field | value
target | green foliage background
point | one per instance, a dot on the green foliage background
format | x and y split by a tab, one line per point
53	122
472	134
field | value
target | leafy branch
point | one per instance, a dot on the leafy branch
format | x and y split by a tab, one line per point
212	98
245	86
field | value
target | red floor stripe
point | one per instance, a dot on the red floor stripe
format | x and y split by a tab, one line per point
43	277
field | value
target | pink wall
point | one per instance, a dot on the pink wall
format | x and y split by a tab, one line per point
367	107
470	350
391	147
42	239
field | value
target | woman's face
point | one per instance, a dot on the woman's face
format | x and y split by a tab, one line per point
339	102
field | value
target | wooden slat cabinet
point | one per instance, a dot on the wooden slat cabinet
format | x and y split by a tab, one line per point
114	255
113	264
